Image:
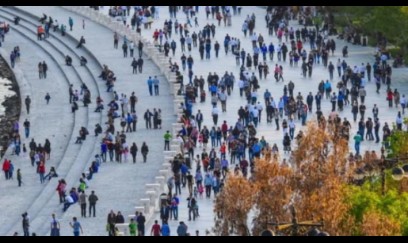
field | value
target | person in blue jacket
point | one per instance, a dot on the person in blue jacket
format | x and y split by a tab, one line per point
150	84
165	229
264	50
104	150
71	23
271	50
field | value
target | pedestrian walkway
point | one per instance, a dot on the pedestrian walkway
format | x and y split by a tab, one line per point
120	186
226	62
53	121
115	193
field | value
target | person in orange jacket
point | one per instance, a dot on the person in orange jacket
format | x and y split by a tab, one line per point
40	32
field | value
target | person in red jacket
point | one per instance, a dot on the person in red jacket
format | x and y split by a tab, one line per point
41	171
390	96
299	46
223	150
6	168
61	190
224	130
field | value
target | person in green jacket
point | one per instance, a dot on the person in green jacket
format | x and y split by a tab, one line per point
82	185
132	227
357	141
167	138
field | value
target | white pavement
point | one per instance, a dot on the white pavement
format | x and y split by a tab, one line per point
106	188
120	186
357	55
54	121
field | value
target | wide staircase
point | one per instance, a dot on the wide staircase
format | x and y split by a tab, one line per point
76	158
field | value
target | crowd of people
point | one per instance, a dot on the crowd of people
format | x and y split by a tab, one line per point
236	144
210	147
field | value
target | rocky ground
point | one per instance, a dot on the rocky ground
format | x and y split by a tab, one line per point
12	105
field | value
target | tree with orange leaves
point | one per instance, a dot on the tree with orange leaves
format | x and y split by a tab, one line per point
377	224
232	207
272	183
313	185
317	185
320	177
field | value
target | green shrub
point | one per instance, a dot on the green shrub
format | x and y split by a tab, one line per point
395	51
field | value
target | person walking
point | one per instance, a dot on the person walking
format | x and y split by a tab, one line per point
156	229
156	83
376	130
12	58
131	48
375	111
357	141
82	203
19	177
92	199
133	101
199	119
354	110
165	229
140	48
399	122
55	226
215	113
132	227
140	64
134	65
141	220
150	84
111	220
26	224
115	40
133	152
6	168
125	49
403	103
191	207
76	226
148	118
182	229
28	103
331	70
145	151
26	125
71	23
45	69
333	100
41	171
40	70
47	98
11	170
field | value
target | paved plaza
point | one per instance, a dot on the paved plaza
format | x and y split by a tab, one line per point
120	186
